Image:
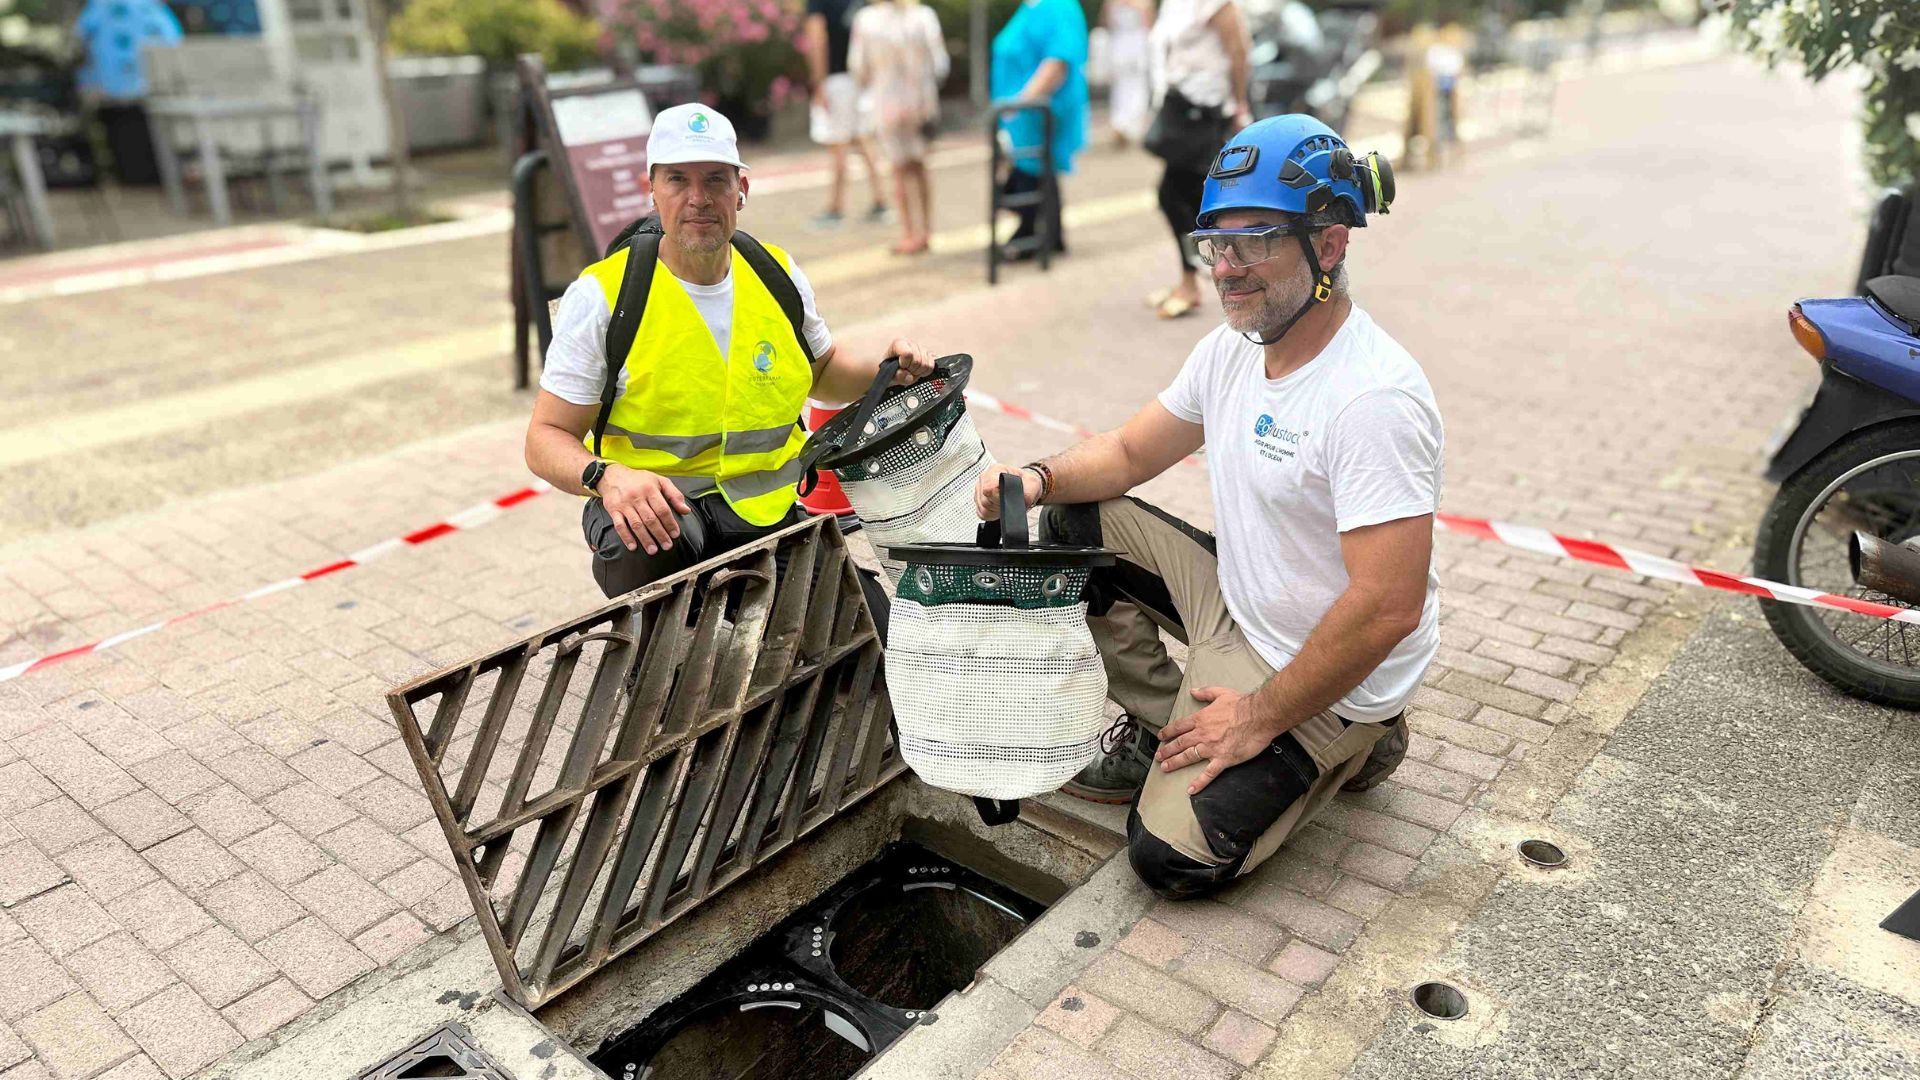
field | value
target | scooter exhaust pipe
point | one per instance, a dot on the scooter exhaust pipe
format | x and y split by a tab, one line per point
1890	568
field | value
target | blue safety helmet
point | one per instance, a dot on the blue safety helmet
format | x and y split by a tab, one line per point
1297	165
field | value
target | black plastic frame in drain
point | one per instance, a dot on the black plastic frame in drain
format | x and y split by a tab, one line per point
794	967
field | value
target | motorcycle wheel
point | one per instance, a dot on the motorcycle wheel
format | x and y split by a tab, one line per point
1869	481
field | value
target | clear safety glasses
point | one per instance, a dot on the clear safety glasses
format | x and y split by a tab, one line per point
1243	247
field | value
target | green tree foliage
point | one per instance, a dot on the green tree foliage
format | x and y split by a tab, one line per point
1824	36
498	30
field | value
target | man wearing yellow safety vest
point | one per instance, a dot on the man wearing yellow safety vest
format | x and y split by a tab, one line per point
673	388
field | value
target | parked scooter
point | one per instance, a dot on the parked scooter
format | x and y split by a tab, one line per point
1852	466
1309	62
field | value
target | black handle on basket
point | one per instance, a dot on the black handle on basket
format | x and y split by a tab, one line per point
1013	510
819	448
843	440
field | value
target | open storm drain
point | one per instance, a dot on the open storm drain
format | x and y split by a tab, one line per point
1440	1001
1543	853
835	984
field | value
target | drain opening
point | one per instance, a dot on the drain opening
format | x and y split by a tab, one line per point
447	1051
909	944
836	983
755	1040
1440	1001
1543	853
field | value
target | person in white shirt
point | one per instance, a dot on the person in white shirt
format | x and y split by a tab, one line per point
1313	613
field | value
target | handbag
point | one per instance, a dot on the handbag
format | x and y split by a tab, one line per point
1186	135
907	458
998	690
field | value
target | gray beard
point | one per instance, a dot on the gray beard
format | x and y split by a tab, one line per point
699	247
1277	304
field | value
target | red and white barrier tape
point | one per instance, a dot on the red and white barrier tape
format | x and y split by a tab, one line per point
1653	566
1521	536
1566	547
471	518
987	401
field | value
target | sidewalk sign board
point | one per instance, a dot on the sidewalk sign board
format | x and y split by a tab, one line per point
595	136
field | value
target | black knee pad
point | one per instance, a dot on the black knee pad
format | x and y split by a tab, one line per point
1071	523
1171	875
1078	525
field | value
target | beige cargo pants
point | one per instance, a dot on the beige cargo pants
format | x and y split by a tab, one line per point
1169	578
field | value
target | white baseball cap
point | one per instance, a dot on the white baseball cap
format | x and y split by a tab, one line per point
689	133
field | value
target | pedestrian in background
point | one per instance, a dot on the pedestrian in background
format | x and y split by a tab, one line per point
112	79
1130	97
1200	48
898	58
836	119
1040	58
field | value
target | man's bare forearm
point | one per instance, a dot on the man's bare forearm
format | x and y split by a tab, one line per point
1091	471
558	457
848	370
1352	639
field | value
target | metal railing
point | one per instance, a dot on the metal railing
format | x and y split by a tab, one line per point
600	779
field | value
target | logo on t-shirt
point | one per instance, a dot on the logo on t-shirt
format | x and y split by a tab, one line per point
1275	442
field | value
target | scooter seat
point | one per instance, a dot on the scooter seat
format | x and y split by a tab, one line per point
1900	295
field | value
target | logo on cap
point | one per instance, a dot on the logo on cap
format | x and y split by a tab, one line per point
763	357
698	123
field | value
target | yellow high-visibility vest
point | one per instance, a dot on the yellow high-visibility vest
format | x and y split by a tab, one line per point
704	420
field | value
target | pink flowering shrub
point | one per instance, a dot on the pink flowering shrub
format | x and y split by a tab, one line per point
747	51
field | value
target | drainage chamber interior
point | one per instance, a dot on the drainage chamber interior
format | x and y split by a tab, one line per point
834	984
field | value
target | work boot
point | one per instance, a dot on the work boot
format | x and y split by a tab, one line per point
1384	758
1126	756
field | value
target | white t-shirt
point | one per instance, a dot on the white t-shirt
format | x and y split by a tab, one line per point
1189	55
576	367
1351	439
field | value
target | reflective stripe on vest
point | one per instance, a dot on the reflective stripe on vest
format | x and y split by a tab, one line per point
689	413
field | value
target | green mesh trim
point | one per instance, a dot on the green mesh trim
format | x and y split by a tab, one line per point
912	452
1027	588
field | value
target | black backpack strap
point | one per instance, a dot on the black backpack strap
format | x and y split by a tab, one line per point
780	284
642	239
635	282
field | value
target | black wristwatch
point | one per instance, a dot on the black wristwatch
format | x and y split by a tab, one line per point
590	478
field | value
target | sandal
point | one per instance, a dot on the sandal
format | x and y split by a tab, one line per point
1158	297
1174	307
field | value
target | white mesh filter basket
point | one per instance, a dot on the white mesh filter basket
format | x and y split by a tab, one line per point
920	492
992	699
907	459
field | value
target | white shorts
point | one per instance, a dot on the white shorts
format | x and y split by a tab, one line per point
844	117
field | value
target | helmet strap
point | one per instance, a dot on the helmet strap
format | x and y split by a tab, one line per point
1322	292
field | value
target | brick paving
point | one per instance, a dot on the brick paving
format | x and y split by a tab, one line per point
211	829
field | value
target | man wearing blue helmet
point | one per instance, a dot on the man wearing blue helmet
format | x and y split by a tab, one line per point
1312	614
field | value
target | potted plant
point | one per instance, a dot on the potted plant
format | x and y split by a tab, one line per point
746	51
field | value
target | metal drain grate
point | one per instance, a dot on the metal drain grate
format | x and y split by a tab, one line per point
599	780
447	1052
